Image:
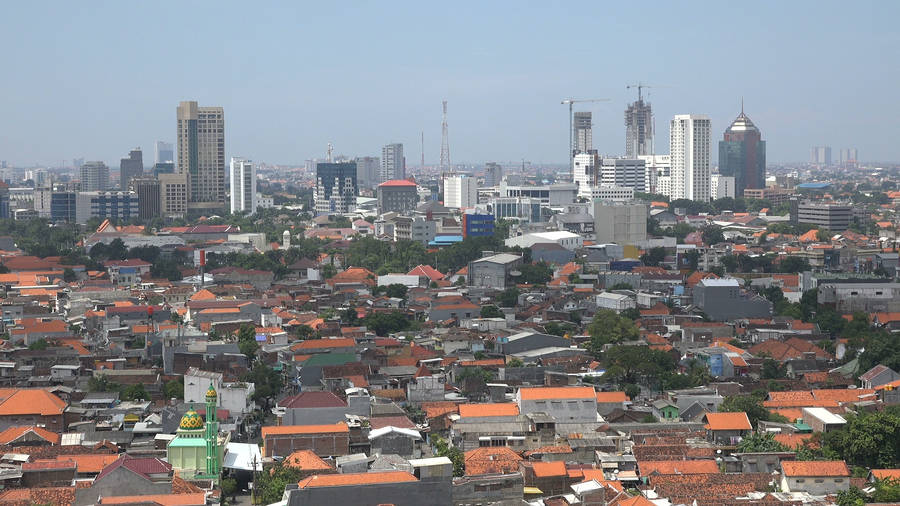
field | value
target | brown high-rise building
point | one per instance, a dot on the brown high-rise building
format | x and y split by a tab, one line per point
742	155
147	190
201	154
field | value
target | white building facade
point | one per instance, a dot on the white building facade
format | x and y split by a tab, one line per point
720	186
243	186
689	148
460	192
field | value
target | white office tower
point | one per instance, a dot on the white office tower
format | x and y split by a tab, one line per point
720	186
624	173
393	165
584	172
243	186
664	186
460	192
689	141
583	135
656	166
94	177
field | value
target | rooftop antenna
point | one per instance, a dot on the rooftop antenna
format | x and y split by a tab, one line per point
330	151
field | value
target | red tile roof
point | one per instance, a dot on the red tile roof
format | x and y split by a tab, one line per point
355	479
648	467
491	460
192	499
548	469
492	409
144	466
603	397
313	399
306	460
815	468
728	421
539	393
11	435
273	430
30	401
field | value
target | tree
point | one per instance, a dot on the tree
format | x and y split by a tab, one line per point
386	323
271	483
632	391
135	392
69	275
396	290
267	383
693	259
631	313
174	389
750	404
515	362
247	341
40	344
621	286
536	274
442	448
794	264
229	487
508	297
823	235
635	364
880	348
491	311
328	271
559	329
654	257
869	439
713	235
772	369
304	332
851	497
761	442
607	327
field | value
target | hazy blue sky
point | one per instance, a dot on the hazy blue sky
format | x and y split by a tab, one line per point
94	79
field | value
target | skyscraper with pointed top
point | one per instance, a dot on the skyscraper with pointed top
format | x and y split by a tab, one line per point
742	154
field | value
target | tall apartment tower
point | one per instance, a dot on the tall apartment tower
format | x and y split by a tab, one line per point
460	192
147	190
243	186
820	155
583	134
493	174
336	187
742	155
689	147
94	177
201	154
367	171
130	168
165	152
638	129
393	164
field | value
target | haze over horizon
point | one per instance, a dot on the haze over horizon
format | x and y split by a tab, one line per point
96	79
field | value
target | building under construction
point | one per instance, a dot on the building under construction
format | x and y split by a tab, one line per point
638	129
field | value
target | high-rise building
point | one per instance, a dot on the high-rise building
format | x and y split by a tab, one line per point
336	187
460	191
849	157
367	171
742	155
398	195
624	173
638	129
721	186
657	166
624	224
55	205
94	176
115	205
393	164
820	155
165	152
583	134
689	140
243	186
130	168
584	172
147	190
173	194
493	174
201	154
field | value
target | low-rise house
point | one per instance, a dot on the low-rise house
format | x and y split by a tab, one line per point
324	440
815	477
727	428
399	488
877	376
395	440
317	408
822	420
23	406
607	402
128	476
560	403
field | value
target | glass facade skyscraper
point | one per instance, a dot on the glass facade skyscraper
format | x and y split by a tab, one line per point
742	155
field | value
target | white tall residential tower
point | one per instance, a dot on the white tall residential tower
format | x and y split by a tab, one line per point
393	164
689	146
94	177
201	154
243	186
460	191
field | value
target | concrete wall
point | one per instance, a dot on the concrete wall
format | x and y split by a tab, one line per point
416	493
562	409
494	489
815	486
325	444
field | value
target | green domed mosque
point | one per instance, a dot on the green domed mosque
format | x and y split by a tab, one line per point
198	449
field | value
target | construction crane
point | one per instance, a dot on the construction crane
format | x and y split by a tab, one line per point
641	86
571	102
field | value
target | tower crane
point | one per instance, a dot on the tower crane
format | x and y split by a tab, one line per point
571	102
641	86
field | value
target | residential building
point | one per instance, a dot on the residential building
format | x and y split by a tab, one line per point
173	194
831	217
723	299
147	190
367	169
393	163
774	195
742	155
638	129
721	186
849	157
493	174
815	477
583	132
94	176
414	228
820	155
32	407
165	152
114	205
568	240
623	172
325	440
201	154
867	297
656	166
397	195
608	194
130	168
727	428
620	223
563	404
689	141
399	488
243	186
553	195
615	301
493	271
336	187
460	191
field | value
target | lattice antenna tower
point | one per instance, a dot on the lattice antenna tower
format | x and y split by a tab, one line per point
445	143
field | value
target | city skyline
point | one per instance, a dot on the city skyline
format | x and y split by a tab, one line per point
790	83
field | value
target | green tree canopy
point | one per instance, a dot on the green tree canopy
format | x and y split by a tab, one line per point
607	327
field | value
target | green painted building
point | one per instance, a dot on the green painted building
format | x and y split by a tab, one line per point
198	450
